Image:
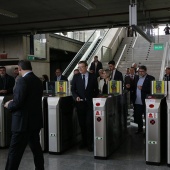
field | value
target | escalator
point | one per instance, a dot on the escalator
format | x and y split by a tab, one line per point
87	50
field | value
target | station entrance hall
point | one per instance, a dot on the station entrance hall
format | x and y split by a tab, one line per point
85	85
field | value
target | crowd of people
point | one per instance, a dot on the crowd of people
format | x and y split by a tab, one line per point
86	85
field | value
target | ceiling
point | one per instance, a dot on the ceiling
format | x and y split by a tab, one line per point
40	16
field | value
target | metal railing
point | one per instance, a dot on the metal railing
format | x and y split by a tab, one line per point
121	55
133	48
164	59
97	47
80	52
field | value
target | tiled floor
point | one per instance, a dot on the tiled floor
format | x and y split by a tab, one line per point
129	156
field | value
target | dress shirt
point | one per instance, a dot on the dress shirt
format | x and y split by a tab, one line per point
59	78
113	74
26	73
86	78
138	92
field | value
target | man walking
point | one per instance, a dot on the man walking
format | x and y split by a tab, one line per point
27	118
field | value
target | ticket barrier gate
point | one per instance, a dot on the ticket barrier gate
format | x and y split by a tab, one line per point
156	126
5	122
44	130
110	124
168	124
168	128
63	126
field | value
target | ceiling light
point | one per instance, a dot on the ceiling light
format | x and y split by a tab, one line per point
86	4
8	14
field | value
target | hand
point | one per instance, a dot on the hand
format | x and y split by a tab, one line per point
140	87
3	91
78	99
6	104
127	85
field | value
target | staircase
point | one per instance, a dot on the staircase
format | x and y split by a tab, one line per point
144	54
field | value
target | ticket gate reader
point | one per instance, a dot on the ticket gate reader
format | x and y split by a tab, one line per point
109	124
153	128
63	126
5	122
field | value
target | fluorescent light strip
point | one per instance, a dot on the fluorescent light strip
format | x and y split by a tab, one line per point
8	14
86	4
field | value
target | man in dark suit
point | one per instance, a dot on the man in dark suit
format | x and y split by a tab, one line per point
143	88
6	82
27	118
95	66
115	74
129	84
59	75
84	89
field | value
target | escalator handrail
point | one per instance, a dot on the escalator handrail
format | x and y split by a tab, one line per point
76	56
90	58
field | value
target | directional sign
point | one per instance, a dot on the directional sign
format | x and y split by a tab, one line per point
158	47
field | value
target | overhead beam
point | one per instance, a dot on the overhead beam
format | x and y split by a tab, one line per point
140	31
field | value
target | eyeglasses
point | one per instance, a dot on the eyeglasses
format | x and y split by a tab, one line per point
141	71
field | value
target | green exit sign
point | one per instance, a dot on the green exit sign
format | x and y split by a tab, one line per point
31	57
158	46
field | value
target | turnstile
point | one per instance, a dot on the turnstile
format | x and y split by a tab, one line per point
5	122
110	124
168	130
44	130
63	126
155	113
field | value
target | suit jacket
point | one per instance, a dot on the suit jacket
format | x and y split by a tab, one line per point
8	84
62	78
118	76
130	81
146	87
99	66
26	106
78	90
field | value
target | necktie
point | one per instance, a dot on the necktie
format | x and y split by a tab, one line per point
84	82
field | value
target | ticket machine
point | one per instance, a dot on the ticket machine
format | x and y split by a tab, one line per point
155	108
110	117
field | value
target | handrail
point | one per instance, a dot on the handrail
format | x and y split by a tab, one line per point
64	72
135	41
163	62
88	62
133	48
121	55
116	38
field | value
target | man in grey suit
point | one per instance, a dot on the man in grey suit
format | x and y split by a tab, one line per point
27	118
84	89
